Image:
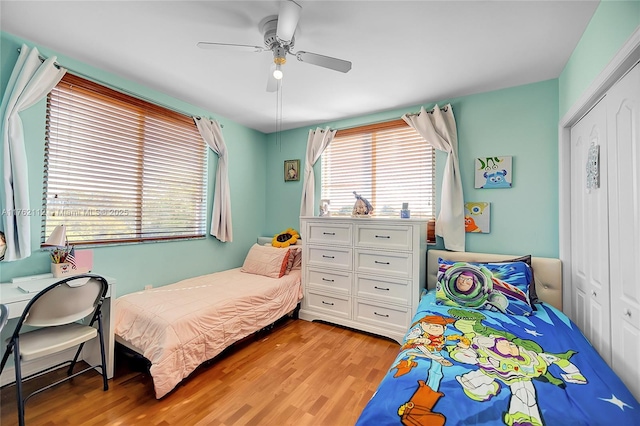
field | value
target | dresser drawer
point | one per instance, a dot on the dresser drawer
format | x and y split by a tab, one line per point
329	257
335	280
334	305
399	265
384	237
394	318
386	290
329	233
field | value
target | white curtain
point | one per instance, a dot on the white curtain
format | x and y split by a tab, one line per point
438	128
221	227
318	141
30	81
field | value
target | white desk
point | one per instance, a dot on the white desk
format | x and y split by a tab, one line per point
17	299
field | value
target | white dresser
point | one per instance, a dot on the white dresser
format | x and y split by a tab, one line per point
363	273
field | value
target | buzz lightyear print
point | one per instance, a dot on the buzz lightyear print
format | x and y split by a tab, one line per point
504	360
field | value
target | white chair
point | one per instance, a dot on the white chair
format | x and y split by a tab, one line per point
60	313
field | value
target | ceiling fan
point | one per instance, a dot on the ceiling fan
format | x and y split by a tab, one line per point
279	38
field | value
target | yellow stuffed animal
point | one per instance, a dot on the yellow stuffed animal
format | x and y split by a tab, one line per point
286	238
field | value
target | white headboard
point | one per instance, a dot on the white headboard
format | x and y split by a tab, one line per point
546	271
264	240
267	240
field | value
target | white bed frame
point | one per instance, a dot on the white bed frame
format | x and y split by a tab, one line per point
546	271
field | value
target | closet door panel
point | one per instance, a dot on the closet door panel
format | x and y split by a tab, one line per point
624	197
589	232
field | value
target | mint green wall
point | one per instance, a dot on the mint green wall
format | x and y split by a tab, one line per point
611	25
520	122
134	266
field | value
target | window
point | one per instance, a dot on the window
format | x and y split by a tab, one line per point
119	169
387	163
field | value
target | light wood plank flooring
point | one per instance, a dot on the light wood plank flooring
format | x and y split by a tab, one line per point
300	373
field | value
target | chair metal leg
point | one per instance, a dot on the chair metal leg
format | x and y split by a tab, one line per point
103	358
16	362
79	351
5	357
75	359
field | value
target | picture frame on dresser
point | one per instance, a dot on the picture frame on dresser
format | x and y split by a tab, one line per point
366	275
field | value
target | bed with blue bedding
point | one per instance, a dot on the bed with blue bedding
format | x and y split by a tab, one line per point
483	350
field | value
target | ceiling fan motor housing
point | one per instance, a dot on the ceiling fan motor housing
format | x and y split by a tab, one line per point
271	40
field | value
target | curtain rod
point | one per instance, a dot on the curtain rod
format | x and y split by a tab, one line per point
445	109
119	89
370	123
322	130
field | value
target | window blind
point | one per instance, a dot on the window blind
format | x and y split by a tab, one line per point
387	163
120	169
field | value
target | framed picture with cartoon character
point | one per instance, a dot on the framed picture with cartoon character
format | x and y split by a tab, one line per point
493	172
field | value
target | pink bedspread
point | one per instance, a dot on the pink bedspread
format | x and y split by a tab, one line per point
179	326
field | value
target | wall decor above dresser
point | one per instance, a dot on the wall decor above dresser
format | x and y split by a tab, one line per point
363	273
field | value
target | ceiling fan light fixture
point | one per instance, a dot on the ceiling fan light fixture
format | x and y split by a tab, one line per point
277	73
279	34
279	58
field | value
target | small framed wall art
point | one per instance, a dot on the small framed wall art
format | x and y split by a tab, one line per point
477	217
493	172
291	170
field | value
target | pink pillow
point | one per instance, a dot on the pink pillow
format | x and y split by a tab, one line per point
266	260
295	259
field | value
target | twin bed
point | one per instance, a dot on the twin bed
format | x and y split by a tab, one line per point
488	344
179	326
477	356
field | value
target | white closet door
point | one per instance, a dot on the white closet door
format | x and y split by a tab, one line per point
589	233
624	209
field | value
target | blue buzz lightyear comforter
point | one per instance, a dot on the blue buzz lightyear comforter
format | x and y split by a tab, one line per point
463	366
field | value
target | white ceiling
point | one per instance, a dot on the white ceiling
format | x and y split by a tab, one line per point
404	53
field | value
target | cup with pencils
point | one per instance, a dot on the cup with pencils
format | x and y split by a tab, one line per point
63	261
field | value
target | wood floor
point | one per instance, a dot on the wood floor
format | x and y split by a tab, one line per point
300	373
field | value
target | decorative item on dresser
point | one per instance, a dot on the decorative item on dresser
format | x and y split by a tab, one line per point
364	275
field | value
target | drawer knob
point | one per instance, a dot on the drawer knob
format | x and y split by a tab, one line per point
328	257
327	280
383	236
327	303
381	315
382	263
627	313
328	233
380	288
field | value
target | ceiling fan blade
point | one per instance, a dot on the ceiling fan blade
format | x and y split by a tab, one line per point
230	46
324	61
272	83
288	17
